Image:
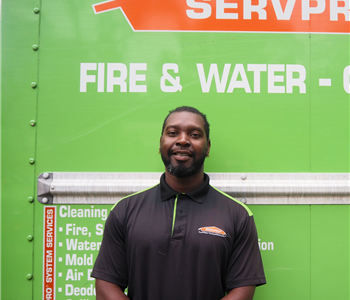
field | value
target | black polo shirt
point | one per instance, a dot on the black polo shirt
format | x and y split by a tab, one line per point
163	245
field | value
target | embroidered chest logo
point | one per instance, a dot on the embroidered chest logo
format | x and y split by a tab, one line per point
212	230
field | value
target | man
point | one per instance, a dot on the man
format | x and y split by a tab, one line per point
181	239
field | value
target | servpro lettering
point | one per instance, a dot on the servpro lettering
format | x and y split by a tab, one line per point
331	16
49	252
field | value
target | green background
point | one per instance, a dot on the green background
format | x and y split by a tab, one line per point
119	132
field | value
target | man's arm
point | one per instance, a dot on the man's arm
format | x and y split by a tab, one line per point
109	291
241	293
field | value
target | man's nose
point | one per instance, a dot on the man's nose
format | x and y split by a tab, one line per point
183	140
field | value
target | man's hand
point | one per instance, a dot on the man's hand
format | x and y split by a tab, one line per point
241	293
109	291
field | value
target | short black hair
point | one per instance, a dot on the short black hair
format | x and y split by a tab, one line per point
191	110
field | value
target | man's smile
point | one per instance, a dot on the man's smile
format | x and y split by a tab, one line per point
182	155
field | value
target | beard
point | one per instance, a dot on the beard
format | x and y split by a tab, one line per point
181	170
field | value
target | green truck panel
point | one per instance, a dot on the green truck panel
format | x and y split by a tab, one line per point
98	90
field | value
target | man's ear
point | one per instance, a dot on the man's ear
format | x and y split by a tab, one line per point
160	142
209	145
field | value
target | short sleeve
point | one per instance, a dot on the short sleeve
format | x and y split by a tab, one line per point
245	265
111	262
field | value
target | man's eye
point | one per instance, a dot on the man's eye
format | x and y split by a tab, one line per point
195	135
172	133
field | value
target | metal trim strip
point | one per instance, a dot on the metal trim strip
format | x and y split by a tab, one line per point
249	188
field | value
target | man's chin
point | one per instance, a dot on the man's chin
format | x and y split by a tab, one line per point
175	163
181	171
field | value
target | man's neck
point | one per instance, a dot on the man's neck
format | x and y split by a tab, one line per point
185	184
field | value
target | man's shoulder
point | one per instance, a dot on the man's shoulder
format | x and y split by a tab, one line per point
136	196
231	201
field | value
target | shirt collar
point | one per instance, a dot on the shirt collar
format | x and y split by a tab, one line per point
198	195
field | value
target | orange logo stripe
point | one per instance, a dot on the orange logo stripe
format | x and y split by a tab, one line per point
212	230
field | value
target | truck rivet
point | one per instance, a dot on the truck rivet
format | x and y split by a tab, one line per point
35	47
30	199
243	200
30	238
29	276
36	10
243	176
32	122
34	85
46	175
31	161
45	200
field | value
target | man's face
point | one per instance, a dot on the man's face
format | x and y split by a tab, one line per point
183	144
